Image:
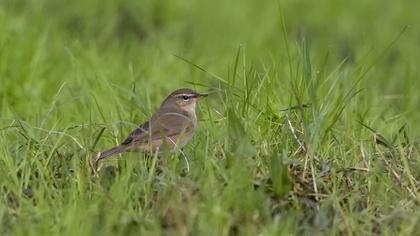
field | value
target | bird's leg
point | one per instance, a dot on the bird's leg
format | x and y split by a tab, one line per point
181	150
94	165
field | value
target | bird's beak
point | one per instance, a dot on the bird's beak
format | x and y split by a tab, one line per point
202	95
207	94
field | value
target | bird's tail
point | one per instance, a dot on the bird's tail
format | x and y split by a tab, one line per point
110	152
105	154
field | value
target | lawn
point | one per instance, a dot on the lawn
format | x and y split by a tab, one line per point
313	128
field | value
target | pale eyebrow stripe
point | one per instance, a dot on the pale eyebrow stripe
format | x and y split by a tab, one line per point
186	94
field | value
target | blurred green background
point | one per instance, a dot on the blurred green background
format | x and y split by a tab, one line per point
77	76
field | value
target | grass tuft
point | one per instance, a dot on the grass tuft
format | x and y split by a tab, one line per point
311	127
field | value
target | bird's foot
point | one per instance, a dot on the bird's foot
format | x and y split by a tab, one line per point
94	166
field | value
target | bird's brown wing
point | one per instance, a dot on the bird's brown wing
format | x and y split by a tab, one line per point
138	132
162	124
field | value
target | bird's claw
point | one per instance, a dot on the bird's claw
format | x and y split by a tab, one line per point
94	165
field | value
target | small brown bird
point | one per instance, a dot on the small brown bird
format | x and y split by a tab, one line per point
172	126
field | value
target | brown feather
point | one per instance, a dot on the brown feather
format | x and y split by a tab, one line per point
172	126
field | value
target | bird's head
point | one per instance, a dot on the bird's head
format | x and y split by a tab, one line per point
184	99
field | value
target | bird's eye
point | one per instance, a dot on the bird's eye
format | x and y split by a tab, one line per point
185	98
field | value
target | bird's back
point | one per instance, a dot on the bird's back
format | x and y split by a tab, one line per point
169	126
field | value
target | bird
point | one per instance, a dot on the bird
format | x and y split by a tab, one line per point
171	127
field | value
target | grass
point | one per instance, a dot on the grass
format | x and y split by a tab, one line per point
314	131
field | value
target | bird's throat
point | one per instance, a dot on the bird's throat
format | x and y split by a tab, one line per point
190	110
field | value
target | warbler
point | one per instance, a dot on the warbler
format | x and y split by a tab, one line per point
171	127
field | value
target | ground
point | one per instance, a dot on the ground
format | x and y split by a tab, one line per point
313	128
